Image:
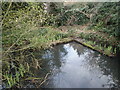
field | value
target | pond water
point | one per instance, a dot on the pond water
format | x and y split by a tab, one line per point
74	66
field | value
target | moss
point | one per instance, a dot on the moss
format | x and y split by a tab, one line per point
88	45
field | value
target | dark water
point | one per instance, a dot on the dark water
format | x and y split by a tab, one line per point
75	66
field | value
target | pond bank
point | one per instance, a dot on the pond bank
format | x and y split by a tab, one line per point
100	41
83	42
43	39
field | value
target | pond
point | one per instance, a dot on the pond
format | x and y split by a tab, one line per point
74	66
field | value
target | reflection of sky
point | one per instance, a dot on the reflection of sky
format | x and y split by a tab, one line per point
79	71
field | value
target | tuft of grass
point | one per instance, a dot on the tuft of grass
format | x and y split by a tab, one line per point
11	79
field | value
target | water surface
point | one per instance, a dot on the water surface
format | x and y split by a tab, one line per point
75	66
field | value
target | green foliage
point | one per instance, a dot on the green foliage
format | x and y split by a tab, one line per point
44	36
19	22
108	50
26	26
71	32
100	43
107	19
72	17
32	13
11	79
39	38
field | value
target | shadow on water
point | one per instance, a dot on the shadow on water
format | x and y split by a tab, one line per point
75	66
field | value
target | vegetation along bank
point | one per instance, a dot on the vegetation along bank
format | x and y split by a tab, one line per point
29	27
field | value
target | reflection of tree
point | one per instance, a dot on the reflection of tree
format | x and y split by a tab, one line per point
79	48
58	52
51	59
108	66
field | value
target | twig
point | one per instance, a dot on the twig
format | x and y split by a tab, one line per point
44	79
19	49
7	10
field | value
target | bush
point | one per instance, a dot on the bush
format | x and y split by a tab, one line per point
107	18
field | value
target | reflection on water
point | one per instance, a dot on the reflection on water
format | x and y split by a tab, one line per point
75	66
